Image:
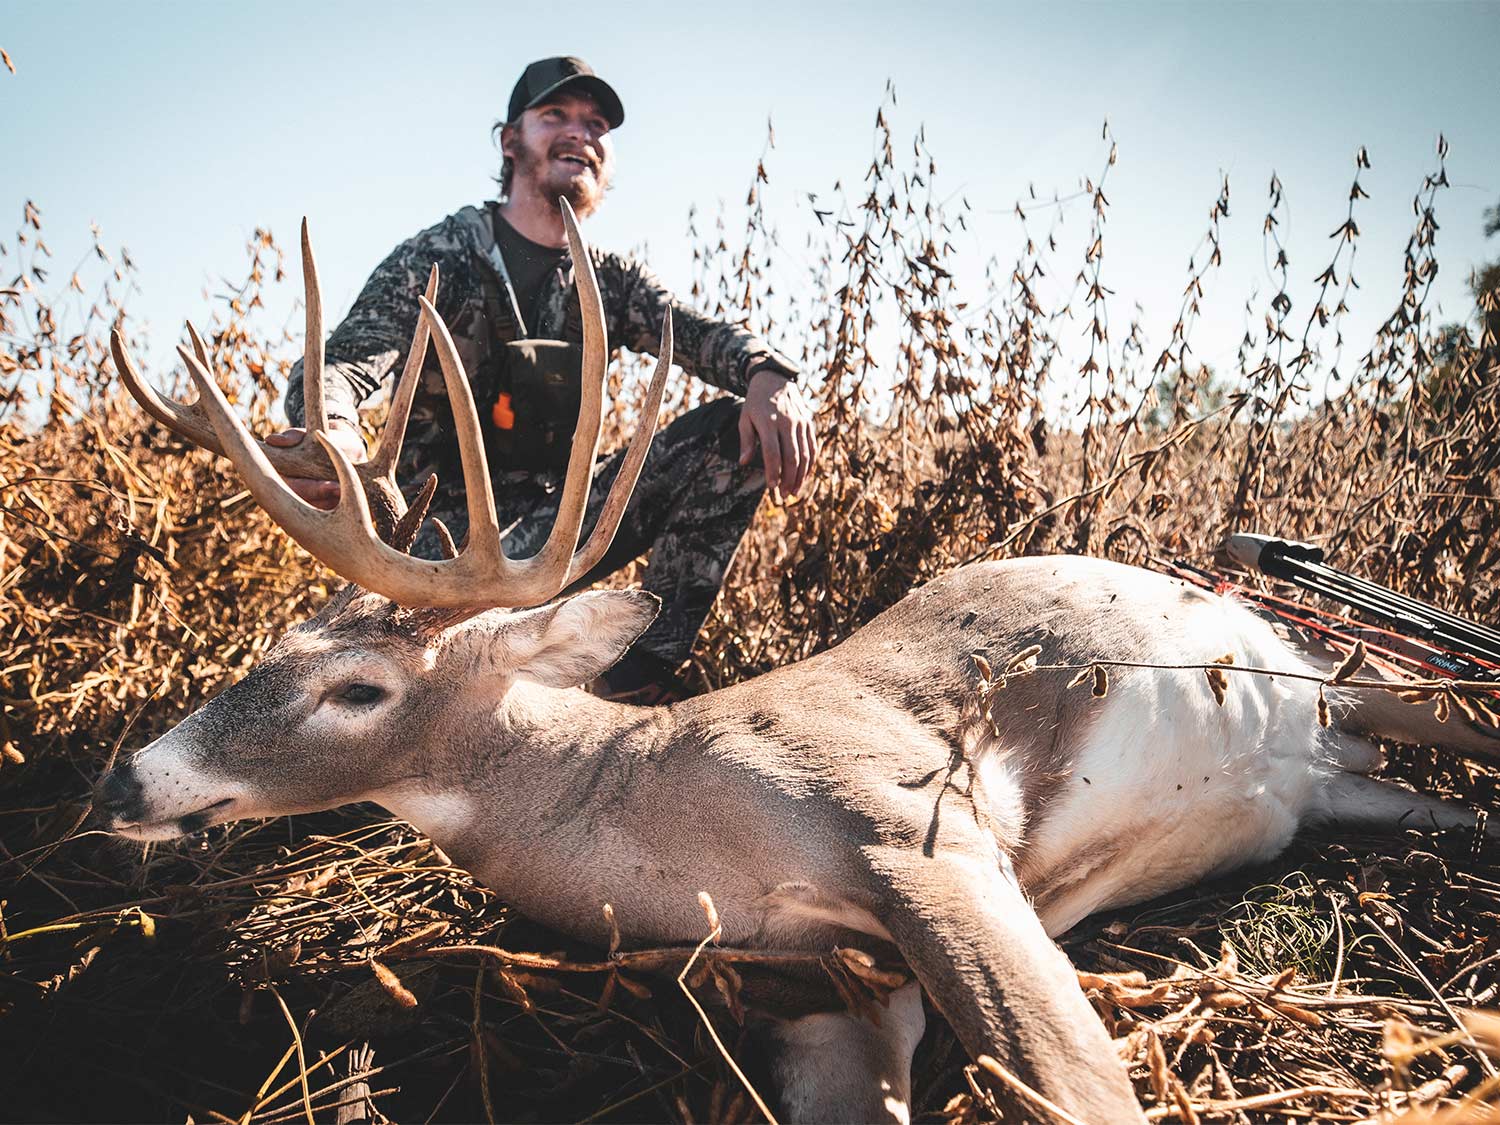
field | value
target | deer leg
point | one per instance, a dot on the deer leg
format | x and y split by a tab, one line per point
1381	713
1384	714
836	1066
979	951
1350	801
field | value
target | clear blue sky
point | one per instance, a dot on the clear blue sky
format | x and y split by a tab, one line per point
179	127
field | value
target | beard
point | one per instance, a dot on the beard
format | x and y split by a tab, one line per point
582	187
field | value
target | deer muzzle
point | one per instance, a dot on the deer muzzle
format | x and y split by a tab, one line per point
159	795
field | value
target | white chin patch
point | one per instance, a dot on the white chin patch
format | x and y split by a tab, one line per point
166	830
172	828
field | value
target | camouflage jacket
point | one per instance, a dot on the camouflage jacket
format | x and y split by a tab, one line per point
372	340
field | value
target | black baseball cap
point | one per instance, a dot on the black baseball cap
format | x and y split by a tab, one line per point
545	77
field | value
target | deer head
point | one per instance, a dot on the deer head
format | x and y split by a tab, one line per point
350	702
364	697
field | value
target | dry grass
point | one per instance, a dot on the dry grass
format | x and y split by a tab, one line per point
248	973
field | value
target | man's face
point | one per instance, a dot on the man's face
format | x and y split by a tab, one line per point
562	148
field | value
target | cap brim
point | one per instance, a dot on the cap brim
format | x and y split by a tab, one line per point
596	88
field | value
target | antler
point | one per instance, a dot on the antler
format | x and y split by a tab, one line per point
482	575
194	420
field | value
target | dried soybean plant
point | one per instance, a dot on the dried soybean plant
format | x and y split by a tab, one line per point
949	446
339	966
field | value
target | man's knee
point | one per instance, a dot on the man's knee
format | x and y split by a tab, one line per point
700	453
715	425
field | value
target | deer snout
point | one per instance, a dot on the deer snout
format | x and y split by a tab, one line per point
120	796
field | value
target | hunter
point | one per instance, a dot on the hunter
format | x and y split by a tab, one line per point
506	294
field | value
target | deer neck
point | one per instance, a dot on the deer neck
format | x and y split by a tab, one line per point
525	795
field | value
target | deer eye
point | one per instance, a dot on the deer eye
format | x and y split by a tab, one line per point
361	695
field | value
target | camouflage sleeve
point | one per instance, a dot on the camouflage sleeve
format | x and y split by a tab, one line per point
368	344
722	354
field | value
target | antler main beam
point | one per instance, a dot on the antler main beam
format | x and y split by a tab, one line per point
193	420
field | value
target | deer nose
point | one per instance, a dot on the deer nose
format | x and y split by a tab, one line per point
119	794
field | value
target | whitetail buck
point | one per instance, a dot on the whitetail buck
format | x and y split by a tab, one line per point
880	792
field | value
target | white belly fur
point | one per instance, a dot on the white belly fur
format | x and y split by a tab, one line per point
1172	788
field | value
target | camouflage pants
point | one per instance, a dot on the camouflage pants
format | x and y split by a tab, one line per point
690	509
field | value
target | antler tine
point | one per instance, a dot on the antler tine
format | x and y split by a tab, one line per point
406	529
343	539
388	452
484	528
200	349
556	556
312	344
183	419
630	469
191	421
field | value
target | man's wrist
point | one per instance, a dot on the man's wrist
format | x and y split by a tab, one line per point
779	380
772	363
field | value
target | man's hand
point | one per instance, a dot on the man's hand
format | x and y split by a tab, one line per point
321	493
778	419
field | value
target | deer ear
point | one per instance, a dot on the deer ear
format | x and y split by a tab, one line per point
571	642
